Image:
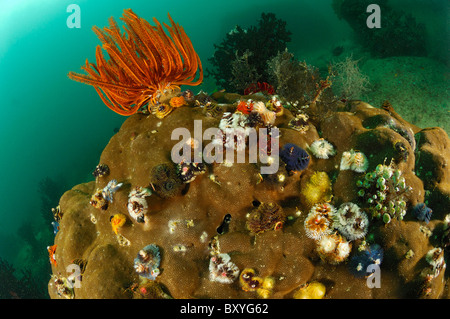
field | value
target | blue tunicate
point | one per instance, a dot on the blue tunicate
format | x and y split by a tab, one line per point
295	157
422	212
358	263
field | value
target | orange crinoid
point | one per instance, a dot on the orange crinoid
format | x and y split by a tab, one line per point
144	63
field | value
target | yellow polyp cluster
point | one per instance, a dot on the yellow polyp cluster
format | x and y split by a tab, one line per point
98	201
117	221
313	290
177	101
250	282
161	110
317	189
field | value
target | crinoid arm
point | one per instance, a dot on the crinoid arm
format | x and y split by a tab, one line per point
144	63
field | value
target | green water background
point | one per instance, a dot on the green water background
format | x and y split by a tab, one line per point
52	127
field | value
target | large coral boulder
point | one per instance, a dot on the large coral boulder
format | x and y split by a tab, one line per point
197	225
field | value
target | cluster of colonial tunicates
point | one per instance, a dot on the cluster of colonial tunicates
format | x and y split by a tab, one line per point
383	192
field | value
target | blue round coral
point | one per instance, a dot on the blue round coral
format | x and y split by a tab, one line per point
295	157
422	212
358	263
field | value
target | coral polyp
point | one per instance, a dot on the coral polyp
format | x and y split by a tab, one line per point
98	201
355	161
312	290
147	262
165	181
351	221
109	190
177	101
422	212
317	189
372	255
137	204
333	248
268	216
295	157
117	221
222	270
383	192
187	172
101	170
317	225
322	149
245	107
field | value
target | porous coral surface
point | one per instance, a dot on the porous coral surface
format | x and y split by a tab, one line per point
185	225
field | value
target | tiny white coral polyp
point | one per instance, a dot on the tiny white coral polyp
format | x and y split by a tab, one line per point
355	161
222	270
317	225
322	149
350	221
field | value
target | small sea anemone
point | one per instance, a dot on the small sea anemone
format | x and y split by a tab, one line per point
299	122
109	190
295	157
360	162
52	254
161	110
333	248
222	270
355	161
160	173
169	188
177	101
267	116
350	221
63	286
422	212
187	172
137	204
317	189
101	170
117	221
147	262
317	225
322	149
274	104
188	96
98	201
268	216
325	209
249	281
359	262
165	181
435	258
254	120
232	121
383	191
259	107
245	107
312	290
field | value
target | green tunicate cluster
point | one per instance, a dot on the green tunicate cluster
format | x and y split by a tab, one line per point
382	191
